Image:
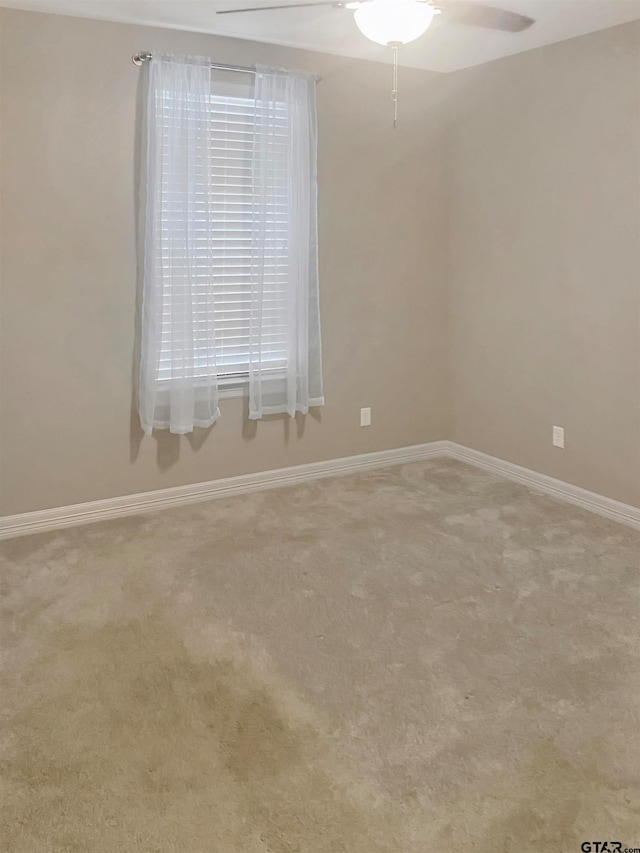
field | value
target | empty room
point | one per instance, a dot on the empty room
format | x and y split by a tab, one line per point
319	426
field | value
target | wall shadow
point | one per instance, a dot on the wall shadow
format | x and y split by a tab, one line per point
167	448
198	437
250	427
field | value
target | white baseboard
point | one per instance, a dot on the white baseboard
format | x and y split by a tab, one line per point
70	516
601	505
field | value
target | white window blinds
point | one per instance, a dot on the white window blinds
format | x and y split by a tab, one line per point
221	254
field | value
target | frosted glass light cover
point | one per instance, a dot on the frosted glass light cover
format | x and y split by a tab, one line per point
388	21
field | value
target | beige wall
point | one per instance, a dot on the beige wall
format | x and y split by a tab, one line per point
69	268
486	253
545	260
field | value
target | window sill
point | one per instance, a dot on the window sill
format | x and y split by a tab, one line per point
235	386
229	392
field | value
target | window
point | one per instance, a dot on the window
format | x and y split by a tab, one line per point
222	254
230	288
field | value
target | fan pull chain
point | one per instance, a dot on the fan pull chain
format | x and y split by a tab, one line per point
394	90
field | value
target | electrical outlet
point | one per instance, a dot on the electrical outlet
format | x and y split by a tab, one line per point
365	417
558	436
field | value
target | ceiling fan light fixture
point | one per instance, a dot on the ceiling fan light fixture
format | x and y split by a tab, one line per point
394	21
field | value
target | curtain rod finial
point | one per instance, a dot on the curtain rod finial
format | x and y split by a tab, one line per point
139	58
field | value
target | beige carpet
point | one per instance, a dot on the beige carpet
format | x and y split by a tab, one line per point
424	658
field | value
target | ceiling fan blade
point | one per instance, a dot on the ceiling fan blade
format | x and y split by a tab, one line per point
283	6
475	15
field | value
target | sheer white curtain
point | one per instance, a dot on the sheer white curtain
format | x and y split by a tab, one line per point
230	288
178	376
285	217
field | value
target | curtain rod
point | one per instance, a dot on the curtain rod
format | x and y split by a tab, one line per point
139	58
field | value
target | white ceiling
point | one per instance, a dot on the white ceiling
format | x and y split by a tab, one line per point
444	47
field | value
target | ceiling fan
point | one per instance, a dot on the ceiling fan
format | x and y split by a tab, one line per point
396	14
397	22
